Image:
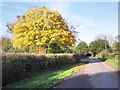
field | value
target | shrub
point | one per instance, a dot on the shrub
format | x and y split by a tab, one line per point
18	66
103	54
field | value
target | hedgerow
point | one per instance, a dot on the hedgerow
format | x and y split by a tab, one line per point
18	66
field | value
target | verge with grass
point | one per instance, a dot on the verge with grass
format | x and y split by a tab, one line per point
113	62
47	79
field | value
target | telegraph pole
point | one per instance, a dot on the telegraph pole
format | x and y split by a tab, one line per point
105	46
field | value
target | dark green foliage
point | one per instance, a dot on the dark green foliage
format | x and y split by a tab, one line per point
110	49
54	48
94	52
77	57
19	66
81	48
103	59
68	49
30	49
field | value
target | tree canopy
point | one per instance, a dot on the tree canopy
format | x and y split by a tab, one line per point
98	45
81	48
6	44
41	27
110	39
116	47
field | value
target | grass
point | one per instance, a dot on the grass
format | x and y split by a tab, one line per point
47	79
113	62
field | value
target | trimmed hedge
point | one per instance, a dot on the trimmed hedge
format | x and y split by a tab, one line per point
19	66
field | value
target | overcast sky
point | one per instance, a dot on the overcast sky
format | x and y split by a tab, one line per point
92	18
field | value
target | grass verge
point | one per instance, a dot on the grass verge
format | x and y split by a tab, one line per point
47	79
113	62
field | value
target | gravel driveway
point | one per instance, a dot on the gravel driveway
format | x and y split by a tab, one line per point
92	75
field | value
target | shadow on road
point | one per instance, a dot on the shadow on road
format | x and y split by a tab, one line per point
91	60
96	60
99	80
103	59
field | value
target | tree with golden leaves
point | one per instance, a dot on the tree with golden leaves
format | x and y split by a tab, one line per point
41	27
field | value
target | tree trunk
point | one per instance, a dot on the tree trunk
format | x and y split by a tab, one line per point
40	50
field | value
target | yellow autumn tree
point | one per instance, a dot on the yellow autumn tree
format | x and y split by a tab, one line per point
40	27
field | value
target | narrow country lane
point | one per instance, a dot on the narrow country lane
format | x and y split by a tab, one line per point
93	75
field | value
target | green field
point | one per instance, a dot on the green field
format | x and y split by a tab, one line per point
47	79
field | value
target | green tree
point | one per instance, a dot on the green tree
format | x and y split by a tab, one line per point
54	48
41	27
6	44
110	39
98	45
30	49
81	48
116	47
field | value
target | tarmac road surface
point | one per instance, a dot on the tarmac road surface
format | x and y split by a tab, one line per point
93	75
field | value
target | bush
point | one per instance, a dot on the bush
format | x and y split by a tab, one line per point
19	66
103	54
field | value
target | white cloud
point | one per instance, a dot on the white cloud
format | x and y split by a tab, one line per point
82	20
63	9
